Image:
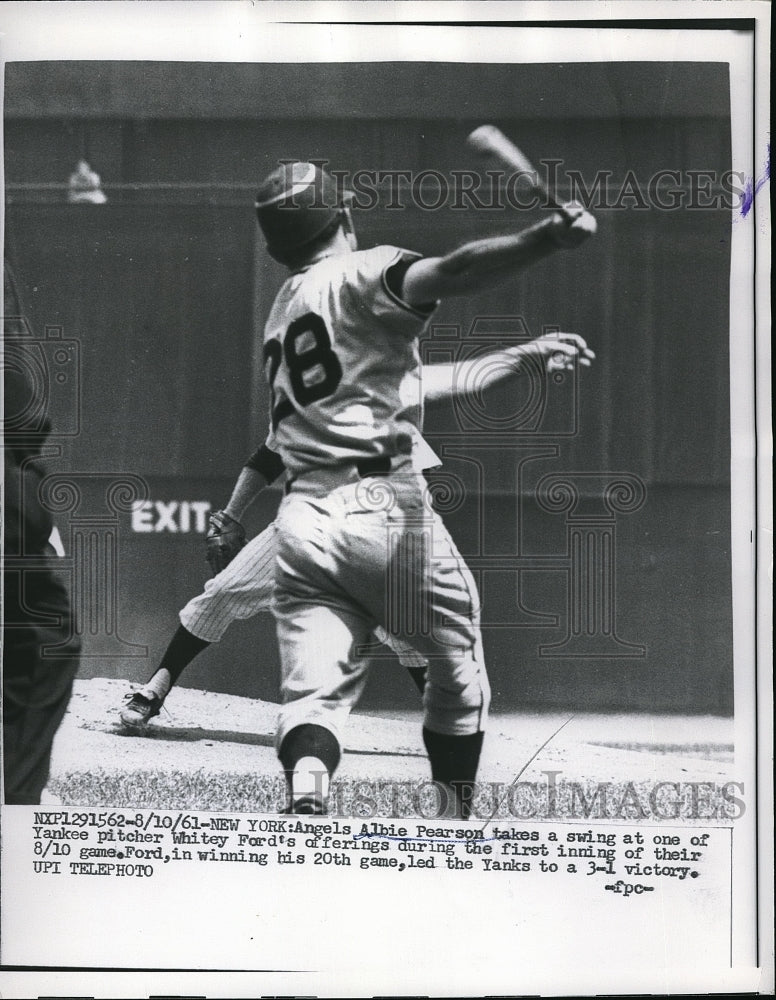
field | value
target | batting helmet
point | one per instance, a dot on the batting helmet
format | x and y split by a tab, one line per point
297	204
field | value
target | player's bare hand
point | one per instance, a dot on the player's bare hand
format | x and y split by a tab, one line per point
562	351
573	226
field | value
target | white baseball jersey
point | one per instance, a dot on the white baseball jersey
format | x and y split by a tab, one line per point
342	359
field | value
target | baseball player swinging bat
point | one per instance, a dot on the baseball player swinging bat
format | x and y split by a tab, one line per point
490	142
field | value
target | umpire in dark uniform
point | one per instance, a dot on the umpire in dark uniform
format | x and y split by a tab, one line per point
40	651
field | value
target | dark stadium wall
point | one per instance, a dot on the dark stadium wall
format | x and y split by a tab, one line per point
165	289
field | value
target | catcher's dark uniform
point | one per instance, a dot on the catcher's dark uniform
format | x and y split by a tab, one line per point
37	679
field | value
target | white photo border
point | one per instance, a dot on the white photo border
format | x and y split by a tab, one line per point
327	32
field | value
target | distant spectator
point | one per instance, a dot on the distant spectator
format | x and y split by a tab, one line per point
85	186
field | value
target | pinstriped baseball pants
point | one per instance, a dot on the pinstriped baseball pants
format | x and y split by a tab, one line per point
240	591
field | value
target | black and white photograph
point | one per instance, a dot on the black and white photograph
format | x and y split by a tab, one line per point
386	499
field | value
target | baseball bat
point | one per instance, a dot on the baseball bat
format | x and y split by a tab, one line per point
489	141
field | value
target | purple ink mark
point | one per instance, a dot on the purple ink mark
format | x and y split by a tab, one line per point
746	201
750	191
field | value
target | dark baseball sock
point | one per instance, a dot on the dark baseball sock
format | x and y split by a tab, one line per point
308	786
454	761
309	740
181	651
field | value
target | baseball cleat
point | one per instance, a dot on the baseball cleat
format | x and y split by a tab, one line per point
139	710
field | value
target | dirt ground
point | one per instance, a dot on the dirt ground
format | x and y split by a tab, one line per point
211	732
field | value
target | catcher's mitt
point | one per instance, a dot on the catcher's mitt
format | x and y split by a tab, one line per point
225	538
